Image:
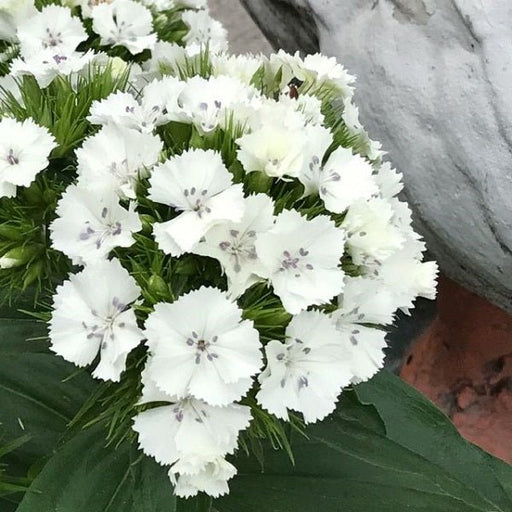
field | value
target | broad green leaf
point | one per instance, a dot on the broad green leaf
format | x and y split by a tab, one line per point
34	399
380	452
503	474
84	476
415	423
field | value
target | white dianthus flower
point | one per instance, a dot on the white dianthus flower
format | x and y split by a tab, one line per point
309	106
209	103
197	184
389	181
160	101
307	372
200	346
302	258
158	105
12	13
124	23
46	65
166	59
54	28
187	431
24	151
212	479
281	113
120	108
366	300
274	149
325	68
318	140
406	276
344	179
241	67
370	232
365	348
204	30
91	223
91	314
233	244
315	68
116	157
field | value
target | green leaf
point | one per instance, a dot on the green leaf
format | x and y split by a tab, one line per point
84	476
503	474
34	399
385	449
200	503
415	423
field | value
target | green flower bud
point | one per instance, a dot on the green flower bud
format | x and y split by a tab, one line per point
18	256
9	232
34	272
158	287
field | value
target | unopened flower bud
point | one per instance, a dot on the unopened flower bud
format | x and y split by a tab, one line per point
157	286
34	272
18	256
8	232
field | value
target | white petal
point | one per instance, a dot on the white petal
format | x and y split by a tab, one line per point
88	316
308	371
115	157
345	179
200	346
302	258
91	224
24	151
212	479
232	243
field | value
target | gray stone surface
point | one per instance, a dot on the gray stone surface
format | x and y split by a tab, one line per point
434	85
244	35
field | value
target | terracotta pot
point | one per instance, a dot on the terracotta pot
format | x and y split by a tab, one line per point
463	363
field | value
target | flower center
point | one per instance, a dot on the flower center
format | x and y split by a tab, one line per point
209	115
330	176
104	328
196	200
13	160
101	235
202	346
295	262
240	248
52	40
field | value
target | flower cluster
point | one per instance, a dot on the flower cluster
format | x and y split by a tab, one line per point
228	240
57	58
62	40
242	241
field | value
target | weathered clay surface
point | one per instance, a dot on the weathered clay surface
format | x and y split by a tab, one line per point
463	363
434	86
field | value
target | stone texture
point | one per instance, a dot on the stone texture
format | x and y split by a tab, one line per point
243	33
434	86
